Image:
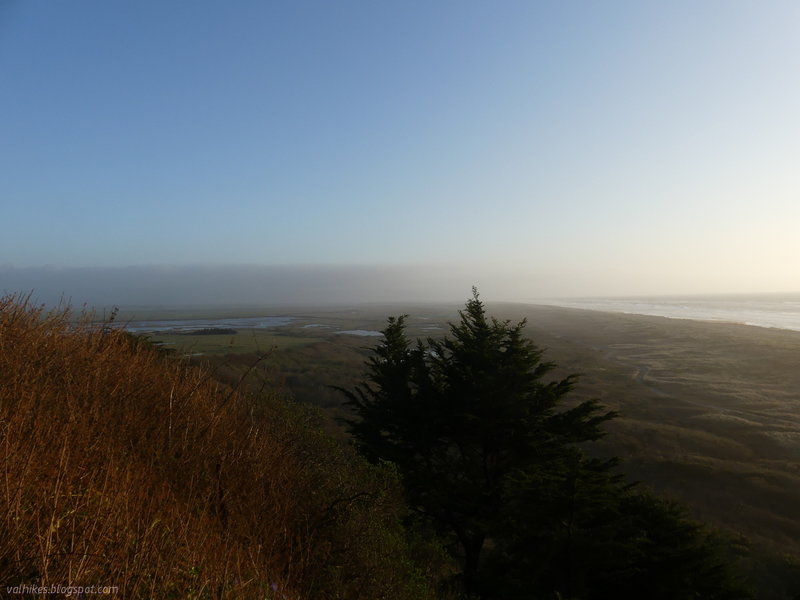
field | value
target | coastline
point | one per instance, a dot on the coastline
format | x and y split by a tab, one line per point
709	411
768	311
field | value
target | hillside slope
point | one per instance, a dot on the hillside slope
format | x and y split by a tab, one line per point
126	469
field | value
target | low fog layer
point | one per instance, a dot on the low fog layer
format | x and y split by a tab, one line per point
219	285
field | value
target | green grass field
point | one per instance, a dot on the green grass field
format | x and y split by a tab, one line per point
246	341
309	326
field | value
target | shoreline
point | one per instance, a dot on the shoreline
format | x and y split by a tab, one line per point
765	318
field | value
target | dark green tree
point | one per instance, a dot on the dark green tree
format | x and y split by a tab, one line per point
459	416
585	533
492	458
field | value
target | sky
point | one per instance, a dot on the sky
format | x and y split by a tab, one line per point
534	149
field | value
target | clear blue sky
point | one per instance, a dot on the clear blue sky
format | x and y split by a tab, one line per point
547	148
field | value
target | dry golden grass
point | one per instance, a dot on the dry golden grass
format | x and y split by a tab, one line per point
124	468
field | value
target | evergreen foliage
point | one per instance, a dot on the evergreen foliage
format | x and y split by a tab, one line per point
492	460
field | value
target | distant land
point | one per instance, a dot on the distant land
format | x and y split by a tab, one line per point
710	409
778	311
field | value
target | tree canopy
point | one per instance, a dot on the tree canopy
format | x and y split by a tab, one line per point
492	458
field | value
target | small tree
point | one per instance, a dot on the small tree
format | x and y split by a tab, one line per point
461	416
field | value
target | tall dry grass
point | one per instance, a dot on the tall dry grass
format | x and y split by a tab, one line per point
121	467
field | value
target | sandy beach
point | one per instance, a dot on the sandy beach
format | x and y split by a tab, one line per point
709	412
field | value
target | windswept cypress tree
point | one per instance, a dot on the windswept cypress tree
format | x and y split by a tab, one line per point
492	459
460	416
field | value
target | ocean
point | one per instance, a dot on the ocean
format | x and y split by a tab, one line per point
779	311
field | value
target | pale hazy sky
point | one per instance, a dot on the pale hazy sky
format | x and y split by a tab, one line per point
532	148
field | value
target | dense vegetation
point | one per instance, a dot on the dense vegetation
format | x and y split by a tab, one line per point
492	460
213	331
125	467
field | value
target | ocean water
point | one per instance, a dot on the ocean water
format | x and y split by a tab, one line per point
775	311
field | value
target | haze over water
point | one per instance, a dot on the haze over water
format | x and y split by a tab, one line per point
780	311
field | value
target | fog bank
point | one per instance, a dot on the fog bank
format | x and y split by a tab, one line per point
229	285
